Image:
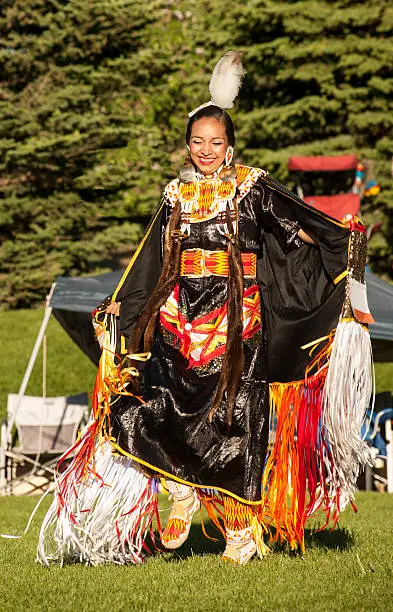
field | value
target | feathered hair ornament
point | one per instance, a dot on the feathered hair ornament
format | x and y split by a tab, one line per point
225	81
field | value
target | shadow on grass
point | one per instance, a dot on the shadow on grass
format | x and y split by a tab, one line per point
197	545
339	538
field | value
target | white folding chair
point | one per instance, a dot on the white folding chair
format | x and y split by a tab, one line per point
45	427
378	433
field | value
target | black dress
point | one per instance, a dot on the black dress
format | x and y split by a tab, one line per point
171	433
294	447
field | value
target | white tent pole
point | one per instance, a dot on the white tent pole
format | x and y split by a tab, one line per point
30	366
44	366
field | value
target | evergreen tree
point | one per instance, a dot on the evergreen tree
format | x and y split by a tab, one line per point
82	157
94	99
320	82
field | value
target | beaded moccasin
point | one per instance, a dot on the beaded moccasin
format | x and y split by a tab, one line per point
240	546
179	521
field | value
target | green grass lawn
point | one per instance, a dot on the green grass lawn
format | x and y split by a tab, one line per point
350	568
69	371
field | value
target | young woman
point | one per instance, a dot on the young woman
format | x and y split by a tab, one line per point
232	304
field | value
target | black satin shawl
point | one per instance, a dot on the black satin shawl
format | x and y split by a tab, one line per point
301	302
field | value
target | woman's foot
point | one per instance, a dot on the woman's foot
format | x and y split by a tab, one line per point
179	522
240	547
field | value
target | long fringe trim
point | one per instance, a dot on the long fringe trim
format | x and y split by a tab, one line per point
104	505
103	516
294	479
316	450
348	389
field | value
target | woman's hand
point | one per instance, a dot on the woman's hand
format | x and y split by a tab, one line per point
307	237
113	308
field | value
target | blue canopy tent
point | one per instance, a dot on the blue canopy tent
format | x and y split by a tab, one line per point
73	300
380	299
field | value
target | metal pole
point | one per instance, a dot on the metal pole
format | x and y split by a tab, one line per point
26	378
389	455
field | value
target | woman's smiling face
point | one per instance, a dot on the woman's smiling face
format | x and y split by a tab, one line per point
208	144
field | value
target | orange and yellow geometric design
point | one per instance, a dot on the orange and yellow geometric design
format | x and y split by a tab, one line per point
204	338
199	262
201	198
237	516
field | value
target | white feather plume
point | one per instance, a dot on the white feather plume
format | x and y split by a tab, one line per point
226	80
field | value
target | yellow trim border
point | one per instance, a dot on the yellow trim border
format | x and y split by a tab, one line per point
353	320
185	482
140	246
340	277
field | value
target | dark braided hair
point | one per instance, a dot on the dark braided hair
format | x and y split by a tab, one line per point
233	363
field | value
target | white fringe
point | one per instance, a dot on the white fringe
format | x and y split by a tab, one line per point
348	389
92	522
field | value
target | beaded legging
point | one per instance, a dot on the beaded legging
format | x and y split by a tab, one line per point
238	516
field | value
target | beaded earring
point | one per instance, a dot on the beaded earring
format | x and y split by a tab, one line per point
228	172
228	156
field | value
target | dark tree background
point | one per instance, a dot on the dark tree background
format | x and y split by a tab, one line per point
94	98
